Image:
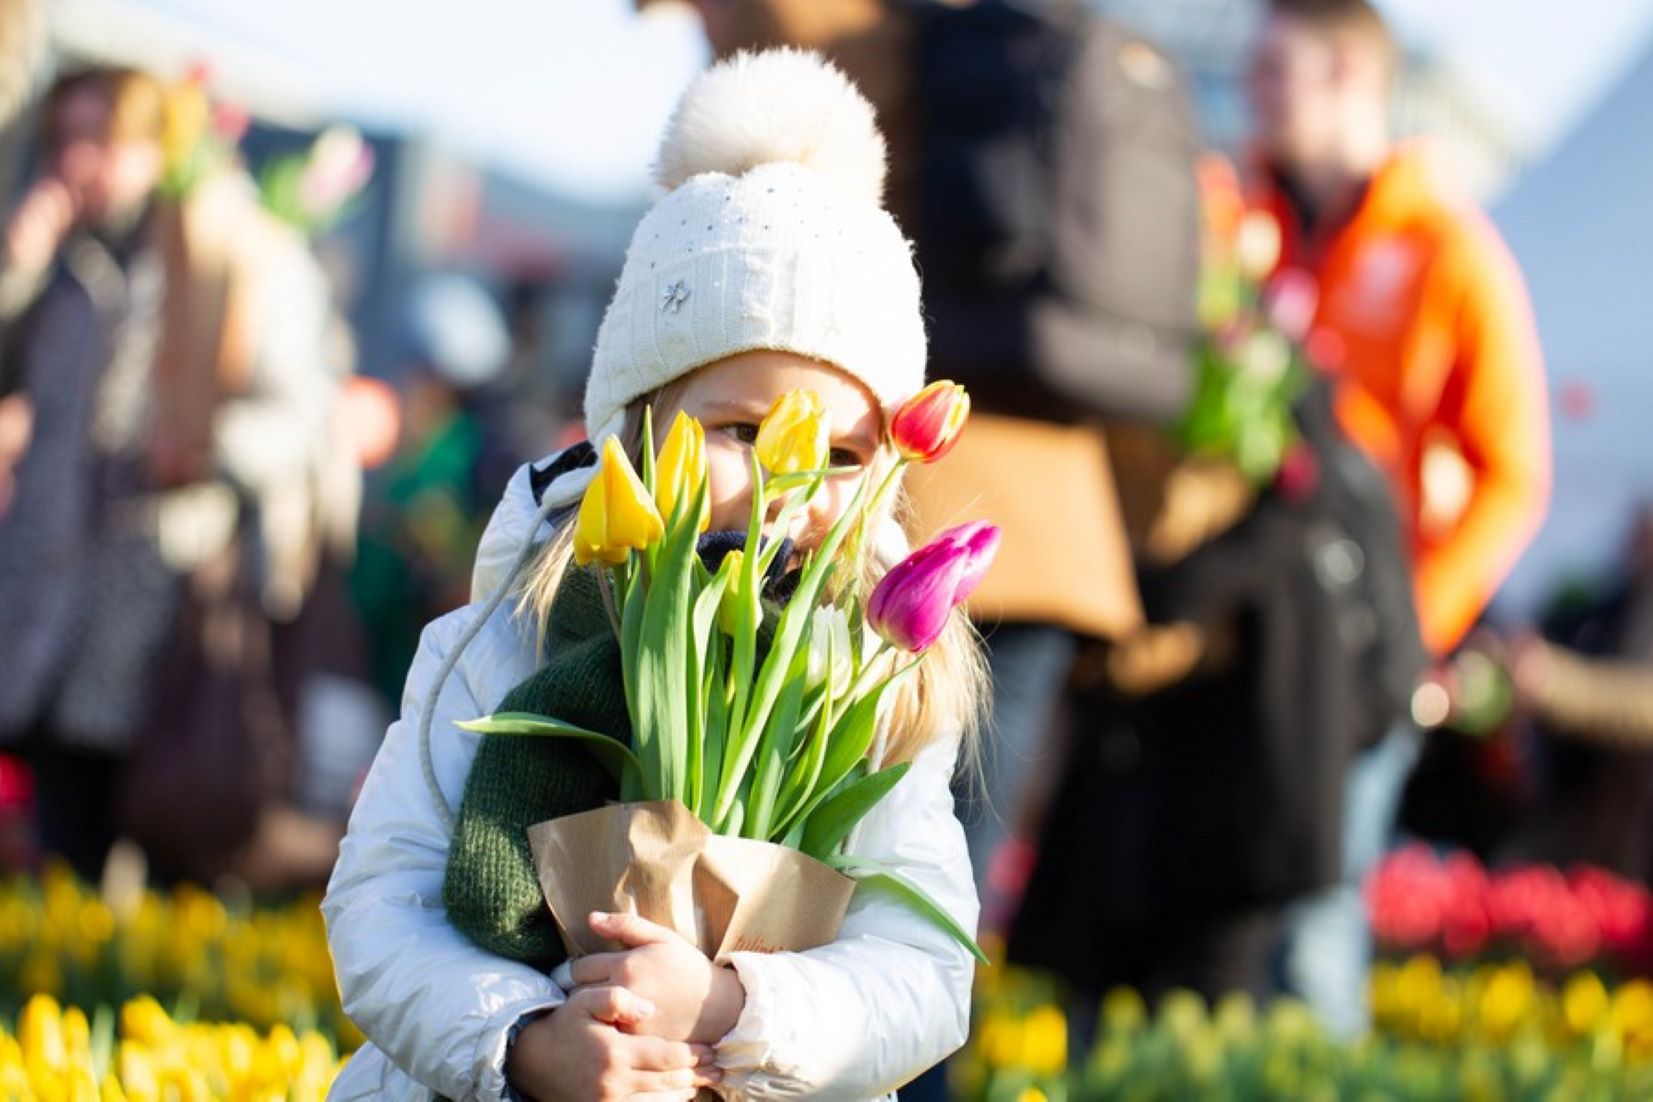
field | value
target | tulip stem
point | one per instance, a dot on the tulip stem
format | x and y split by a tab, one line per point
606	586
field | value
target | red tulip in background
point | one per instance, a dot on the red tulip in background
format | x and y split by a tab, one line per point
911	603
1418	901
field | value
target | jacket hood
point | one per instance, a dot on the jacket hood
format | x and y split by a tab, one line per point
515	521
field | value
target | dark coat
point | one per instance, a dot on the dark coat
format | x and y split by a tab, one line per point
1225	791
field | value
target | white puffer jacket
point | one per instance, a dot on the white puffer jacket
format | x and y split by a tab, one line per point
852	1020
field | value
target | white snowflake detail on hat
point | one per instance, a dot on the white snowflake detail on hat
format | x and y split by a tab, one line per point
675	296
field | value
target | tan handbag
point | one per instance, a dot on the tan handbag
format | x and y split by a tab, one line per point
1064	559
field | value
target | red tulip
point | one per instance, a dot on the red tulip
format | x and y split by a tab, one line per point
910	606
927	426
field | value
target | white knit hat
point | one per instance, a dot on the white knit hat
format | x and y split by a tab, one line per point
772	235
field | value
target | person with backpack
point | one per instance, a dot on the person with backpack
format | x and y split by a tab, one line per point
1043	161
1440	371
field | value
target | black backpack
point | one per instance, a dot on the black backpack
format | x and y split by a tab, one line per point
1058	215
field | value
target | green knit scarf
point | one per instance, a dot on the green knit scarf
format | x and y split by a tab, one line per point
491	889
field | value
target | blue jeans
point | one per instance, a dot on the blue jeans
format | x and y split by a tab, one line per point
1327	947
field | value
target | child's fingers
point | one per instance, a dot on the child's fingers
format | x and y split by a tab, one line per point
655	1054
684	1079
594	969
631	931
614	1005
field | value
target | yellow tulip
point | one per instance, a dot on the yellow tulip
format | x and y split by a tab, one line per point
681	469
728	610
1584	1002
1632	1010
794	436
40	1032
1045	1041
81	1085
186	115
77	1035
616	515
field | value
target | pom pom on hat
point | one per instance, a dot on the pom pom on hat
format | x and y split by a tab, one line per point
772	236
777	106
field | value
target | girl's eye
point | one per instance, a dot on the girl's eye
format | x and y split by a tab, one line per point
746	434
844	457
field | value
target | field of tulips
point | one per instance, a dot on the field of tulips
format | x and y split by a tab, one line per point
1522	983
1515	985
1495	1033
188	949
1453	907
141	1053
181	995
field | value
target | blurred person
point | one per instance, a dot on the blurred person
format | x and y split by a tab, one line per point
1440	369
1060	290
177	348
1587	683
81	293
426	509
1206	792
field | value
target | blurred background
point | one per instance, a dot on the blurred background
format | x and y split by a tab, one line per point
1328	767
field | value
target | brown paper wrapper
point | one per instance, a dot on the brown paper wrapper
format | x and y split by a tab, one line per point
657	860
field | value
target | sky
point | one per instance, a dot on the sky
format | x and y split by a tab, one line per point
575	92
1539	62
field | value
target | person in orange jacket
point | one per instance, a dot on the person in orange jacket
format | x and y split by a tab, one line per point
1439	354
1439	380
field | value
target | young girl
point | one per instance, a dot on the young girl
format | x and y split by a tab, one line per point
769	266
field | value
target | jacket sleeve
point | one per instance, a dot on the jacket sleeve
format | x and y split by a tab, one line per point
438	1006
891	996
1496	407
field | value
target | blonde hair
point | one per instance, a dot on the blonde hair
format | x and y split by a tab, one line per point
947	694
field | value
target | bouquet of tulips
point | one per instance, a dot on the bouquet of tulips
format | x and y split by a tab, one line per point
756	745
1253	361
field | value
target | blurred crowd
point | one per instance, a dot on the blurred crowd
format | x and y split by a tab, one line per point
1278	424
208	609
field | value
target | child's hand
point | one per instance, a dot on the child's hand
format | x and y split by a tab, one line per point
695	1000
584	1051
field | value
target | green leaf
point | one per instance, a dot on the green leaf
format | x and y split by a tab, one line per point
781	483
797	614
647	458
852	736
805	771
747	622
716	695
775	744
881	877
831	823
704	643
611	752
633	786
663	669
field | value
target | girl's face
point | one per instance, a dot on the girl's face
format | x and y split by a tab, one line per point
730	397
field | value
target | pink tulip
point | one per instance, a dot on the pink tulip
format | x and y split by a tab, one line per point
1289	300
910	606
